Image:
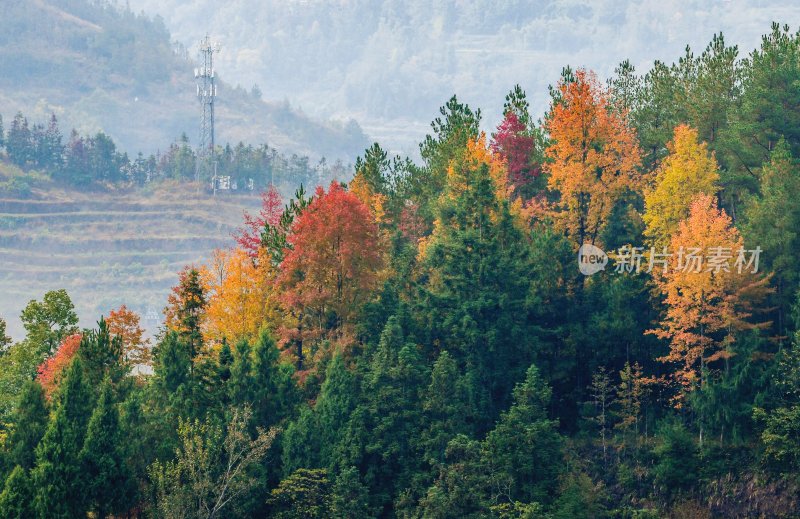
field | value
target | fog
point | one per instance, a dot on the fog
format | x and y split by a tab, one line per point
391	64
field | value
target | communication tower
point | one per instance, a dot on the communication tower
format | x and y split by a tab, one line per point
205	77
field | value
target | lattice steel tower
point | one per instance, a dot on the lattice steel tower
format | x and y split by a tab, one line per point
206	94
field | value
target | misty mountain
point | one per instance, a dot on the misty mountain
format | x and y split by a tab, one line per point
392	63
100	66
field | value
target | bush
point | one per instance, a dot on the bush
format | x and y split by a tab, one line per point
677	464
17	186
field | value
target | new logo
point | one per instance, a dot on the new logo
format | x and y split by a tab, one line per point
591	259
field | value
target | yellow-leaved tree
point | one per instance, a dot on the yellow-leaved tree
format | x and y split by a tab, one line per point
241	296
376	202
687	171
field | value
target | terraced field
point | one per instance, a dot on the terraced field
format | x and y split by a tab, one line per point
107	249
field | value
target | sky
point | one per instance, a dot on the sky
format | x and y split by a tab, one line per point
390	64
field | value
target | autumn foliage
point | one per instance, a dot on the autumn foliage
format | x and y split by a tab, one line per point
515	145
332	267
427	343
249	236
124	322
242	295
688	170
594	156
706	300
376	202
50	371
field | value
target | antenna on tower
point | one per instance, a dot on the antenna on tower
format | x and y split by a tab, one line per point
205	78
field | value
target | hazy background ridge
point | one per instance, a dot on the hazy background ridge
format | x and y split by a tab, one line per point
100	66
390	64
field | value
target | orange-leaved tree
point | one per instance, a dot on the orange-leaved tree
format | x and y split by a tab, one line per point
593	157
331	269
242	296
51	370
687	171
710	291
124	322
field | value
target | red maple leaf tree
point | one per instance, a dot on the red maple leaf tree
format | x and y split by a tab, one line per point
514	143
331	267
249	235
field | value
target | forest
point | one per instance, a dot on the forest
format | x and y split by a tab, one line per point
589	313
94	162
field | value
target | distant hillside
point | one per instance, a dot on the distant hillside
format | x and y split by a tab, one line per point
108	248
392	63
99	66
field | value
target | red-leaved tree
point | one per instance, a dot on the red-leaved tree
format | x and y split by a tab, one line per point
515	144
249	236
330	268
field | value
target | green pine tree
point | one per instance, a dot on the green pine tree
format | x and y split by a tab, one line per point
394	416
372	168
525	445
760	119
275	393
224	361
109	486
190	303
16	500
336	402
780	419
451	132
299	442
474	304
172	364
462	488
350	498
447	409
58	478
102	355
19	142
30	422
218	391
677	462
773	220
241	381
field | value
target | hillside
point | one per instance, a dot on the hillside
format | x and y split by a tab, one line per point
594	316
108	248
100	66
392	63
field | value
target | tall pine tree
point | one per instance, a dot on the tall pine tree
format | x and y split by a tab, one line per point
109	487
59	479
30	422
